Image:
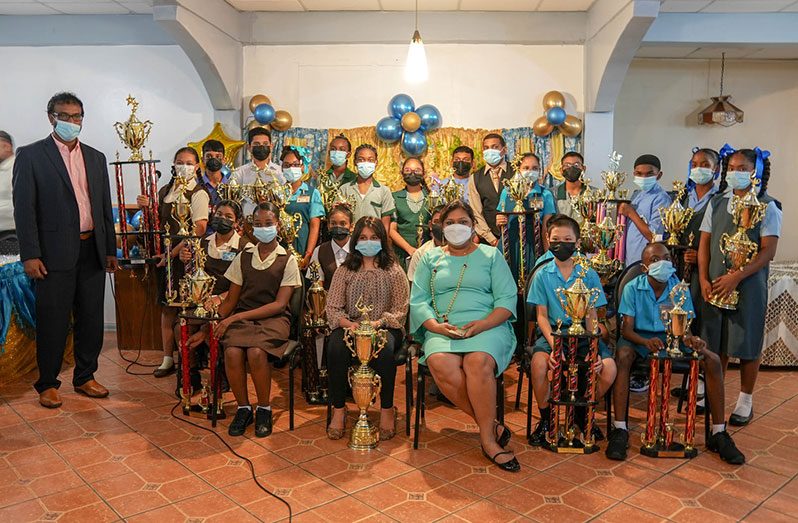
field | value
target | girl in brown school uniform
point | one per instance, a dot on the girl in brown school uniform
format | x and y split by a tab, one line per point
257	318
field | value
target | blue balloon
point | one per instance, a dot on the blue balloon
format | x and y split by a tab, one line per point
430	117
115	212
120	254
264	114
399	105
414	144
555	115
389	129
135	221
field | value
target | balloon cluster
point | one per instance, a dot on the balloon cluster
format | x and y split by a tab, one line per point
408	124
264	114
555	116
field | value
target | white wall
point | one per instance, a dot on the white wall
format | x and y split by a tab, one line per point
656	113
350	85
160	77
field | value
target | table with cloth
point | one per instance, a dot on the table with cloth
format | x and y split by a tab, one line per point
780	346
17	322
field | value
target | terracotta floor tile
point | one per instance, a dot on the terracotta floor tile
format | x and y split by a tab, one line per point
765	515
623	513
518	499
30	510
699	515
46	485
414	511
382	496
137	502
556	513
166	514
678	487
573	471
655	502
204	505
101	471
587	501
547	484
71	499
344	510
484	510
784	503
723	504
448	497
237	514
449	469
98	512
15	493
484	483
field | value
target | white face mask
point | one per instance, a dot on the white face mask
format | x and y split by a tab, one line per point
458	234
185	171
366	169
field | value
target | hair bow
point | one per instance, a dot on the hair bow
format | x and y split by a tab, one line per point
304	154
761	156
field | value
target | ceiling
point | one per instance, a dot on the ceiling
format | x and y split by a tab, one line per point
52	7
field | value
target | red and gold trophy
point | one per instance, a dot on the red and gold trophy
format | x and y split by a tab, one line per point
658	438
314	325
565	435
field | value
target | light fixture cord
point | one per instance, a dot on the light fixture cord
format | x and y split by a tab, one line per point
722	69
416	15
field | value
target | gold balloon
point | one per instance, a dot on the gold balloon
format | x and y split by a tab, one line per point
231	146
553	99
411	122
257	100
254	123
572	126
542	127
282	121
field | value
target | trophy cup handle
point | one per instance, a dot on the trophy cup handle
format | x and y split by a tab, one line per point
349	339
559	292
380	340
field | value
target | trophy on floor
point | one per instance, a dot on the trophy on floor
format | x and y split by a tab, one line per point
604	235
676	217
658	438
738	250
314	324
365	342
578	299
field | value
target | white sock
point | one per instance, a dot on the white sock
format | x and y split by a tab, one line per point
268	407
745	402
718	428
248	407
700	403
700	390
619	425
167	362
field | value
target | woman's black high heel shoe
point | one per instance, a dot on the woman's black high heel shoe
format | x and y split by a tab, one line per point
505	436
509	466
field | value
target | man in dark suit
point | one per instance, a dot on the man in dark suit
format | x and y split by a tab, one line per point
62	209
485	186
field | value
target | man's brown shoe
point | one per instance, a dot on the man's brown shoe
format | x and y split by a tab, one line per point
92	389
50	398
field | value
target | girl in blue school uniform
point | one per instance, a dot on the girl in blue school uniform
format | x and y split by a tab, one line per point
305	201
738	333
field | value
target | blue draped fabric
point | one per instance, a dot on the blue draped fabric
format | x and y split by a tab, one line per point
16	298
522	140
314	140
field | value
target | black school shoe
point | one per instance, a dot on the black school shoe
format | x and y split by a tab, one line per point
741	421
242	420
617	444
263	423
723	444
538	438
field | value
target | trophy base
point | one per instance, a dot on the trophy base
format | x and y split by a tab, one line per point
364	436
577	447
728	304
675	450
315	398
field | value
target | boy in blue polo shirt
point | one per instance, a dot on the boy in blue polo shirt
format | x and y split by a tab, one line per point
643	333
561	272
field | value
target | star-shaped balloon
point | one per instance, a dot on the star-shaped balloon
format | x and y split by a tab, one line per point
231	146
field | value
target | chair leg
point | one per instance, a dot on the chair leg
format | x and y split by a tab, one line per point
408	394
291	393
707	432
500	399
419	407
682	394
520	385
529	409
608	408
409	375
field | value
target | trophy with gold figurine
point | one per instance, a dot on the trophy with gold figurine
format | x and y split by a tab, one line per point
604	235
574	378
314	324
289	226
738	249
231	190
607	214
365	342
518	188
134	134
586	204
676	217
658	438
613	179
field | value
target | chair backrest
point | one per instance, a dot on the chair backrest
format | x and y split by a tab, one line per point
530	311
295	305
629	273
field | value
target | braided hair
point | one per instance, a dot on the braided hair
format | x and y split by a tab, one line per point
366	146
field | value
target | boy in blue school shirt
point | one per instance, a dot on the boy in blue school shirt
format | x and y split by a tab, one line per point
561	272
643	212
643	333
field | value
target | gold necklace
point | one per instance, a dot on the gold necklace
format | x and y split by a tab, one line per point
445	316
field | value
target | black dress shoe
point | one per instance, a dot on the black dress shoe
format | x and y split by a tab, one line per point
503	437
617	443
538	437
723	444
741	421
509	466
241	421
700	410
263	422
162	373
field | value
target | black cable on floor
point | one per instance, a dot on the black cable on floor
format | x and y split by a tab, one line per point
249	462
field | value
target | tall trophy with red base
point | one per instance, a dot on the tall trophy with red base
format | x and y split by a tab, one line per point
574	379
660	438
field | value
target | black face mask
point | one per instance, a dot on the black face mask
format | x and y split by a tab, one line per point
213	164
562	250
339	233
221	225
413	179
572	174
261	152
437	232
462	168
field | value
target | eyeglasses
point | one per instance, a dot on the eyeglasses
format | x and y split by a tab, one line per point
65	117
569	165
294	164
408	173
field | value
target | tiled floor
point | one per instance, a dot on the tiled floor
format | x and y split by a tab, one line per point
127	458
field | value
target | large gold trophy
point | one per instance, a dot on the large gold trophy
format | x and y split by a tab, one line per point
738	249
677	320
365	342
181	208
604	235
586	204
676	217
578	299
613	178
197	287
231	190
316	299
133	132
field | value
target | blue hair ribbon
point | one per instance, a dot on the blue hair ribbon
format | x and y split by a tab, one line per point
761	156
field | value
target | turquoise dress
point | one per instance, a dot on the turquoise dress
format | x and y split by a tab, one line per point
487	284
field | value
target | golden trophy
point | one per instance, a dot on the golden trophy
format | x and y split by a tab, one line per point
518	188
676	217
289	229
197	287
232	190
677	320
329	190
738	250
586	204
604	235
578	299
365	342
613	178
133	132
181	208
445	191
316	299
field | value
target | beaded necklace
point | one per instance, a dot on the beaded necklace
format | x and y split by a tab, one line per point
445	316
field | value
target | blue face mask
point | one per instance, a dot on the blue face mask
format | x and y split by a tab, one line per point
368	248
337	158
701	175
646	183
67	131
492	156
366	169
738	179
530	175
265	234
661	270
292	174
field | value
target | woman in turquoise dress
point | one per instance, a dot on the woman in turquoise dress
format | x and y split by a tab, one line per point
461	305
